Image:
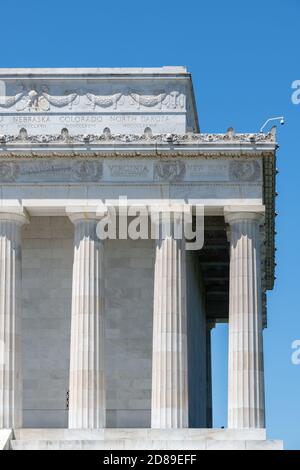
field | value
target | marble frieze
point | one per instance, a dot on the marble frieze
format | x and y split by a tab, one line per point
51	170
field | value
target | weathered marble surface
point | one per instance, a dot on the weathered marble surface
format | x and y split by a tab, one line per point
89	102
87	404
50	185
169	406
51	170
47	245
5	437
141	433
246	400
10	319
148	439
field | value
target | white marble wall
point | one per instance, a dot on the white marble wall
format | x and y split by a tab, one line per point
129	316
46	287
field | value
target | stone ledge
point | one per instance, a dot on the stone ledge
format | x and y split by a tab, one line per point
5	437
143	439
116	434
136	444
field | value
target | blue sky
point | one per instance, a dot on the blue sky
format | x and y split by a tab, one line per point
244	57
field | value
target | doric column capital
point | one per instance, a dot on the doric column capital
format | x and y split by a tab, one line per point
88	213
14	214
234	214
168	219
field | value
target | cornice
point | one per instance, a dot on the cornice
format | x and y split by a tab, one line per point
147	139
35	153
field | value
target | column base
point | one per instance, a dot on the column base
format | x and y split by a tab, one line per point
143	439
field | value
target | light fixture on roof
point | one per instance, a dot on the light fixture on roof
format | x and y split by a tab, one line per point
279	118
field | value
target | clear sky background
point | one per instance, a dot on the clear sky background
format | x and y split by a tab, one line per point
243	55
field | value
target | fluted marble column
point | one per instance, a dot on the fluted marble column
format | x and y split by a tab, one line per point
169	366
246	408
10	319
87	382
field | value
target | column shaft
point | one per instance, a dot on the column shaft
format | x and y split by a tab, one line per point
169	367
10	321
87	387
246	376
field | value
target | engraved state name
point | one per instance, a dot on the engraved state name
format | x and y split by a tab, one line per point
81	121
128	170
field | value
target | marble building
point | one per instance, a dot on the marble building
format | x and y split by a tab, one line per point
107	344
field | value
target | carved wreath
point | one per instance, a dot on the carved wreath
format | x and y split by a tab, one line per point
87	171
170	171
8	171
244	170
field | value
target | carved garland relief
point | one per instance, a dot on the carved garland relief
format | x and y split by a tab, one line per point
40	100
